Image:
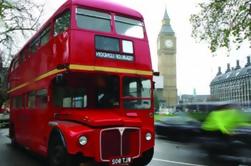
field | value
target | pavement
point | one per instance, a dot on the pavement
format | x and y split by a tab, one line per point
166	154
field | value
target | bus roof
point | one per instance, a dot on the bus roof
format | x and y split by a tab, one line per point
107	5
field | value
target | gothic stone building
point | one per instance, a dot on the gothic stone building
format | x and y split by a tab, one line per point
167	62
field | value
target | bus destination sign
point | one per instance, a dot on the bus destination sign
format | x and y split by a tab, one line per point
116	56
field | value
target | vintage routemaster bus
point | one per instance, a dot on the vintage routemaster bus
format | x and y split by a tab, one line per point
82	89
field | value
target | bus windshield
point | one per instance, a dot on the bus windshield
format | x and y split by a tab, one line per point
136	93
86	91
95	91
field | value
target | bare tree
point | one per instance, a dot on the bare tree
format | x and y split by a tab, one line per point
18	19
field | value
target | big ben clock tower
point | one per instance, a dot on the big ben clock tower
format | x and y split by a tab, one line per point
167	61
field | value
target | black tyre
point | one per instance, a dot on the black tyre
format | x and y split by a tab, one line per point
144	159
58	155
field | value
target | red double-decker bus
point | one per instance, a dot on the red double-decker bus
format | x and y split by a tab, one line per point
81	89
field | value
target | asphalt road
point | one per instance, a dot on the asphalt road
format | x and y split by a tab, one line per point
166	154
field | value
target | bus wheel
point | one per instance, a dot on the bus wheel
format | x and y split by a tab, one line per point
144	159
57	154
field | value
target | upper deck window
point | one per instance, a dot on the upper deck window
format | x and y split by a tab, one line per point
93	20
15	64
21	57
62	23
34	45
45	36
129	27
41	40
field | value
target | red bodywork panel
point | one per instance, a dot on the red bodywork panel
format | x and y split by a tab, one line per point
75	50
90	125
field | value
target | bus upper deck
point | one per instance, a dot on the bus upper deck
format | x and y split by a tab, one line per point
83	36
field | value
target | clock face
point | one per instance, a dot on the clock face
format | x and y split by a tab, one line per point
169	43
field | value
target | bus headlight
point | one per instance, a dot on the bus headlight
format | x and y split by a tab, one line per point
148	136
82	140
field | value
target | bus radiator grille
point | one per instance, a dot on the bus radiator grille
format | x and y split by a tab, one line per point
120	142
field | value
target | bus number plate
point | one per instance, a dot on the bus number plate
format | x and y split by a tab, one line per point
121	161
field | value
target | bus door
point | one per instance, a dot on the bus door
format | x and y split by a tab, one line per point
38	121
19	117
26	120
42	118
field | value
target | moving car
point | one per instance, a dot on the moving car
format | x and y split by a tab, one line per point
4	118
179	127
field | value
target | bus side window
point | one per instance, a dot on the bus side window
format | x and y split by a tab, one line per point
31	99
17	102
41	99
15	64
34	45
26	53
45	36
21	57
13	103
62	23
12	66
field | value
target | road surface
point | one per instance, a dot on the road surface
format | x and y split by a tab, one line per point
166	154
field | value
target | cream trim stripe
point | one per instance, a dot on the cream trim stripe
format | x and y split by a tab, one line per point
110	69
52	72
84	68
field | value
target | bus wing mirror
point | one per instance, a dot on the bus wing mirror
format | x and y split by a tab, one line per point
156	73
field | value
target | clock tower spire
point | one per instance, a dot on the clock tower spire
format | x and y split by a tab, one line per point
167	61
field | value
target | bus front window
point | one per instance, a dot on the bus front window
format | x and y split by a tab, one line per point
136	93
87	92
129	27
93	20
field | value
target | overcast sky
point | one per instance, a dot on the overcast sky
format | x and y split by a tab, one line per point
196	66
